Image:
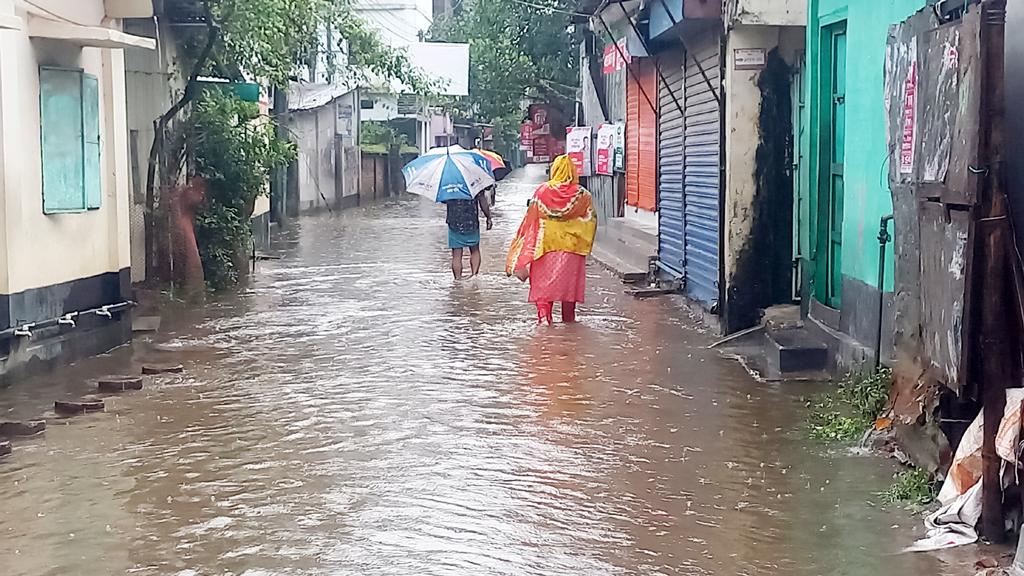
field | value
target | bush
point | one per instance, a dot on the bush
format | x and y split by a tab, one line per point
845	413
234	150
913	486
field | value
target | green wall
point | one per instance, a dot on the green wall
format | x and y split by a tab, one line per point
866	197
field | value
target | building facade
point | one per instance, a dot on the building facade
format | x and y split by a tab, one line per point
846	193
65	259
707	92
323	121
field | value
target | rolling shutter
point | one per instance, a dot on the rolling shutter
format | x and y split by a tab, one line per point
701	170
641	135
671	222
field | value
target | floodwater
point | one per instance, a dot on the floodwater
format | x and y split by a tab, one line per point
356	412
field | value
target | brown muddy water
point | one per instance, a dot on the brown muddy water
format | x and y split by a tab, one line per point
355	412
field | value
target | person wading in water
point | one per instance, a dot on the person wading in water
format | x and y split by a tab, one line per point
464	231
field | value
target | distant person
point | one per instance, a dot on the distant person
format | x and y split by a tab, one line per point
464	230
553	242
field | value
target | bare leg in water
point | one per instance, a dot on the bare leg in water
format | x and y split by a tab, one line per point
474	260
545	312
457	262
568	312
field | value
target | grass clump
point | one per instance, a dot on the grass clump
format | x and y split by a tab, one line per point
913	486
846	412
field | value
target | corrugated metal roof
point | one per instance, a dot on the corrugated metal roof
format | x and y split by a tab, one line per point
306	96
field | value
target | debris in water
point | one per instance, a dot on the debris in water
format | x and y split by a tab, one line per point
69	407
27	428
152	369
119	383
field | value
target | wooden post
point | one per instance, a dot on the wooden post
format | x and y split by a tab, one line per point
994	358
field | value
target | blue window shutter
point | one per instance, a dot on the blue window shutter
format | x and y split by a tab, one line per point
91	140
60	118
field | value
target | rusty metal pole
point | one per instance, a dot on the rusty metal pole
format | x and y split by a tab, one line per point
994	354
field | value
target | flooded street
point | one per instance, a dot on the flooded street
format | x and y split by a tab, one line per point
356	412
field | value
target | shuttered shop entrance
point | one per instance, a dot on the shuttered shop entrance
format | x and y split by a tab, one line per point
641	135
671	221
701	169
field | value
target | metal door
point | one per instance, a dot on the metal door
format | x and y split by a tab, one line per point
671	223
799	99
829	281
702	169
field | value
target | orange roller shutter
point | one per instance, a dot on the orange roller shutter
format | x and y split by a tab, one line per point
641	135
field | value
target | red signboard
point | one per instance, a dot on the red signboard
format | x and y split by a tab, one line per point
909	121
615	57
526	136
540	117
542	149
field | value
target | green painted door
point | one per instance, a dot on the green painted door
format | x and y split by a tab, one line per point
799	101
830	201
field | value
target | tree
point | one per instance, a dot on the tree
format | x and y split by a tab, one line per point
519	50
269	40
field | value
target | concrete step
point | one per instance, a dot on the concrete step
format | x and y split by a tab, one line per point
625	245
794	350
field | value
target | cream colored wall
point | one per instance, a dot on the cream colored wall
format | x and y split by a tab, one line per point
766	12
743	106
43	250
82	12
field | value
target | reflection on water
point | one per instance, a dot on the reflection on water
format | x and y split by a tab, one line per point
355	411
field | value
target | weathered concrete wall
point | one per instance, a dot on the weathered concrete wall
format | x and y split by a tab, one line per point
43	250
313	133
53	264
1014	129
152	81
765	12
742	208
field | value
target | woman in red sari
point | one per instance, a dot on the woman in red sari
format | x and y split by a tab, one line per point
553	242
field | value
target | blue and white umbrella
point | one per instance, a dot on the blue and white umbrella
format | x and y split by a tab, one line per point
448	173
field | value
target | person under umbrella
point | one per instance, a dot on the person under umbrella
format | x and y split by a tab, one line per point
457	178
550	248
498	168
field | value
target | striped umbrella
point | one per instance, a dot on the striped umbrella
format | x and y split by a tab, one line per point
498	165
448	173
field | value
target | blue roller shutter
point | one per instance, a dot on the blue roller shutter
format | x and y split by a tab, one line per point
671	225
701	170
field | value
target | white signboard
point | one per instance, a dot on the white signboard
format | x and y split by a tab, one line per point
749	58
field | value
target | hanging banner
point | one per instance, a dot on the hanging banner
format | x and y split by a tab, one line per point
526	136
604	150
615	57
619	148
909	139
577	147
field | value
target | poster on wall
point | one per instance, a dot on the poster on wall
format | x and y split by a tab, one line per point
908	141
619	148
526	136
615	57
345	115
577	147
604	149
541	149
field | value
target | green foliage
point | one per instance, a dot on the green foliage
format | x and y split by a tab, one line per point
912	486
845	413
380	134
517	52
273	40
234	150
